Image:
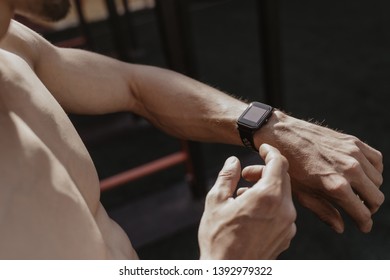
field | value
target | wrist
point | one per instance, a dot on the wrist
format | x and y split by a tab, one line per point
255	116
272	131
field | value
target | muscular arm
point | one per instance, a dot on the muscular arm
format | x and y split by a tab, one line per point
328	169
89	83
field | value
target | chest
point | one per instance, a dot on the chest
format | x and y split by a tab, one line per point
24	95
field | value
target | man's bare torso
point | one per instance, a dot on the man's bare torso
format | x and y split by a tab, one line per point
49	192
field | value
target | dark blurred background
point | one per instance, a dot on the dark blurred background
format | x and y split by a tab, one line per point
335	63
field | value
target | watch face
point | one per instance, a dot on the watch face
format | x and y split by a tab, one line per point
254	116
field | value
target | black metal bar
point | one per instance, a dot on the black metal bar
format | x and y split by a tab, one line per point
175	28
117	31
133	42
84	25
269	22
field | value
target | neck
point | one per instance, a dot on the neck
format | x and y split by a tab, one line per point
6	14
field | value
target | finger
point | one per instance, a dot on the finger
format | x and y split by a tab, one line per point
275	171
359	213
324	210
371	171
252	173
227	180
375	157
275	163
240	191
267	152
343	194
368	192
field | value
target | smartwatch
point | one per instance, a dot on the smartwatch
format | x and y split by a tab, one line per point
253	118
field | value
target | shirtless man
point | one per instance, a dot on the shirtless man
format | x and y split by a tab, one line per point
49	189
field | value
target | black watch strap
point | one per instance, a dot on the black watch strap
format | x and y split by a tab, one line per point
247	139
251	120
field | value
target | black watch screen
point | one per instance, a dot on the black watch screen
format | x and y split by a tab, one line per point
251	120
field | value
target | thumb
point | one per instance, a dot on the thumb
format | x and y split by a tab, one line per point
228	178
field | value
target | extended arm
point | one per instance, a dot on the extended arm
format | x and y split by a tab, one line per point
328	169
89	83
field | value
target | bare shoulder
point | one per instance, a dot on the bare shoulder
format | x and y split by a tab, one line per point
23	42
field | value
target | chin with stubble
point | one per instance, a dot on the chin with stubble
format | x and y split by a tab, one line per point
46	10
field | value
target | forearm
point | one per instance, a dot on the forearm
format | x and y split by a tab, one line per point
88	83
184	107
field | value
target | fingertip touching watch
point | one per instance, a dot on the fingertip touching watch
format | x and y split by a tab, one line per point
253	118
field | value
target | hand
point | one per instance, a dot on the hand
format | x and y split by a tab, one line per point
259	222
330	169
